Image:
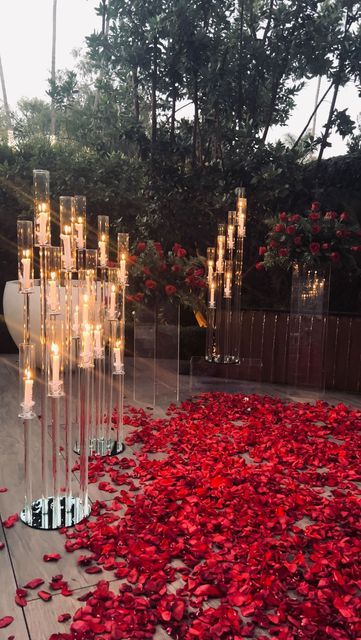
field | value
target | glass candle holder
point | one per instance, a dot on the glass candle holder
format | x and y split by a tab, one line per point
118	355
41	182
221	247
212	293
55	342
79	203
231	229
68	257
87	346
53	280
113	294
103	240
228	273
25	256
27	373
122	245
211	256
241	211
98	340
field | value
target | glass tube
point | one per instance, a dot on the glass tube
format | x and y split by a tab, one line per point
221	246
79	203
231	232
103	240
27	414
236	302
113	297
227	313
53	280
41	182
25	256
55	357
211	256
68	255
241	211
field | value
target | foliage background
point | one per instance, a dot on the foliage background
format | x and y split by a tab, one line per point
169	110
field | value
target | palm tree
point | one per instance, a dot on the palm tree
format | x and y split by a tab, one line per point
53	55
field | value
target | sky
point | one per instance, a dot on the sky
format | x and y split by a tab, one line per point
26	59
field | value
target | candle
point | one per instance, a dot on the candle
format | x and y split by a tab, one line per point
79	228
117	362
102	249
53	293
227	286
66	257
76	321
98	340
85	309
42	222
26	284
211	296
230	237
55	366
87	343
210	273
28	392
112	302
122	274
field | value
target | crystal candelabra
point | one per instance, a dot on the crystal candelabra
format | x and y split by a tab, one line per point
80	385
224	280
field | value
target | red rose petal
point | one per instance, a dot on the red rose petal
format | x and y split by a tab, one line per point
10	521
3	489
45	595
64	617
5	621
34	584
51	557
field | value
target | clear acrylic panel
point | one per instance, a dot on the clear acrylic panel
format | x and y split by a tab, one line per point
308	327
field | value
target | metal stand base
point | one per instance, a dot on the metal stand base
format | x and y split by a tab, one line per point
223	359
51	513
103	448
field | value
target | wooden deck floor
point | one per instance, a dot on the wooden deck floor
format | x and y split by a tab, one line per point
21	559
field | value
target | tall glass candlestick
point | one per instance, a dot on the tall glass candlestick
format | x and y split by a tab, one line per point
41	181
79	203
28	416
25	269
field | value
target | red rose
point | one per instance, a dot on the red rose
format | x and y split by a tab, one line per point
111	263
150	284
330	215
146	270
283	216
291	230
170	289
202	284
325	246
315	206
297	240
132	259
176	268
295	218
315	228
273	244
279	228
181	253
162	266
283	253
339	233
199	272
314	216
259	266
344	216
355	248
159	249
335	256
315	247
138	297
262	251
141	246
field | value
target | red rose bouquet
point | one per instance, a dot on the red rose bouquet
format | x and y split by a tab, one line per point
156	276
314	239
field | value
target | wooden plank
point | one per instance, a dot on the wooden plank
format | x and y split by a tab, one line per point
8	607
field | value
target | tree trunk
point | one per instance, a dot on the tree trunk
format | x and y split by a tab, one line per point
328	124
195	121
154	91
136	94
240	100
5	97
172	118
53	58
313	114
316	106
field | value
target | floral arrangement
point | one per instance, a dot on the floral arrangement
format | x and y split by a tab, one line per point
156	276
314	239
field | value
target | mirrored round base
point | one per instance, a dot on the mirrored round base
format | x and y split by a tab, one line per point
102	447
54	513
